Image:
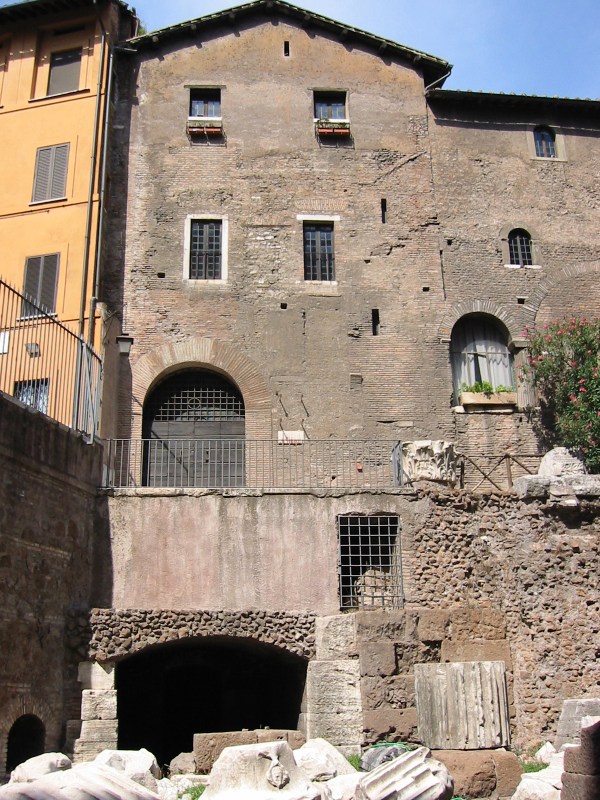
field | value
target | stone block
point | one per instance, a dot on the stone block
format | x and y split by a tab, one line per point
430	460
489	650
377	658
569	723
473	771
344	729
391	726
208	747
462	706
93	675
98	730
38	766
375	625
332	685
508	771
321	761
580	787
394	692
476	623
432	625
98	704
335	637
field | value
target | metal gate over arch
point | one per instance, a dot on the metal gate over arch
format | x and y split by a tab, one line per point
194	431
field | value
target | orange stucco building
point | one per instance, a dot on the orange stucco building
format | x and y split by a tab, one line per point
54	74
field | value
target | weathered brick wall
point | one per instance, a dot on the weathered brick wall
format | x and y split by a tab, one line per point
47	512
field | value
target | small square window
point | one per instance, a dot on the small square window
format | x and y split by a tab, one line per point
205	103
319	260
65	69
33	393
330	105
206	249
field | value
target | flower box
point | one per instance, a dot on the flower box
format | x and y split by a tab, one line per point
493	399
331	128
205	127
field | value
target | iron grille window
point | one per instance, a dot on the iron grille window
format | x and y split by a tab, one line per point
370	565
319	262
519	248
65	68
206	251
39	286
205	103
189	400
545	143
50	179
330	105
33	393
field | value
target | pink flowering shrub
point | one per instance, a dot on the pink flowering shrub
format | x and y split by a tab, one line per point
564	364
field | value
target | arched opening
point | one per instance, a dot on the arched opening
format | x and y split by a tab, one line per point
481	360
168	693
193	431
520	248
26	739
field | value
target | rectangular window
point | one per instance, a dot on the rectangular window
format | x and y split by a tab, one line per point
330	105
206	249
205	103
370	565
33	393
50	180
319	262
65	69
41	274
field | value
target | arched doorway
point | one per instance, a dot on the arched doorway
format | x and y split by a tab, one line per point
26	739
193	427
168	693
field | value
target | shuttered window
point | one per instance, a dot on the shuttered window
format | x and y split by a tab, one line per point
41	273
50	181
64	71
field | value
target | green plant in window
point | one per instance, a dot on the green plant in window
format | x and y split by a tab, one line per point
485	387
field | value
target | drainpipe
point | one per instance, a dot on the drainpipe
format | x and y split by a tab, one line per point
439	80
90	202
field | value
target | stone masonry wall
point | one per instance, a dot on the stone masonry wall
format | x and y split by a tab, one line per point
47	511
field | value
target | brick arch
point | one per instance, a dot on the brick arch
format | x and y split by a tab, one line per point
202	352
538	296
26	703
499	313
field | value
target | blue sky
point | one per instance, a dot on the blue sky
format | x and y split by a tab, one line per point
546	47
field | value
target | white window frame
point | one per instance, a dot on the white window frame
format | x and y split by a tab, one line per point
203	217
302	218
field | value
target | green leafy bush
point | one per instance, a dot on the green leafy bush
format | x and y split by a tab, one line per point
564	366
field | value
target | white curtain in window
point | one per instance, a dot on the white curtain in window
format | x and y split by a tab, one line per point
479	353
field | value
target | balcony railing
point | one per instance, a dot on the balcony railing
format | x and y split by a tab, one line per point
230	463
46	365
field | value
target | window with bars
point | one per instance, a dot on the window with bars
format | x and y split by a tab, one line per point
193	397
319	261
330	105
520	248
50	178
206	249
545	142
370	561
205	103
39	285
33	393
65	69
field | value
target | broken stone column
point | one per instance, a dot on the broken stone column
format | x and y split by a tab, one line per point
412	776
463	705
99	723
429	460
